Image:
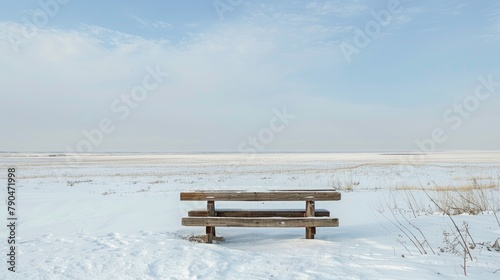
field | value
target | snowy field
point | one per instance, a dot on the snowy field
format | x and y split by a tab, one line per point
117	216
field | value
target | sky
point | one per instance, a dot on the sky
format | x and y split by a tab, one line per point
249	76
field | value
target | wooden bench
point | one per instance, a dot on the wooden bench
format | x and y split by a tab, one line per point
309	217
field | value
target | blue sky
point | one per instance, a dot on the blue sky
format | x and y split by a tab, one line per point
356	75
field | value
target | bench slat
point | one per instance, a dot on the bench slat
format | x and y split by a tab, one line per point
260	222
260	196
258	213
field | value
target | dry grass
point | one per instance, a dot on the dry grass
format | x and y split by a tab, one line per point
473	201
468	187
110	192
157	182
473	198
474	178
465	188
72	183
144	190
202	238
344	183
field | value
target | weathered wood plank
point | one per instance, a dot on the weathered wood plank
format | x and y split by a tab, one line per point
290	213
260	222
261	196
304	190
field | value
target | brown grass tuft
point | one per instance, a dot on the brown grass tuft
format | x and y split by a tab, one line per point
468	187
202	238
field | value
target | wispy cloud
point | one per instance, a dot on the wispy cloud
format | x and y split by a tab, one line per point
307	25
337	8
119	42
492	31
152	24
494	13
458	9
226	76
223	72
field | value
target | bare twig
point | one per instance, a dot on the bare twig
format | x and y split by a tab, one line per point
400	242
464	243
405	230
418	229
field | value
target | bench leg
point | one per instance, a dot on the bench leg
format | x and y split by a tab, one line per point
310	212
210	234
210	213
309	233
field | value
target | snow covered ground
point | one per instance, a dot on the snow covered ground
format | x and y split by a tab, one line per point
117	216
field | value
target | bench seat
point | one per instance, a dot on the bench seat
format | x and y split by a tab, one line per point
287	213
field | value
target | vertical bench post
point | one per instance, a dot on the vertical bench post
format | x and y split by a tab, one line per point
310	212
210	213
